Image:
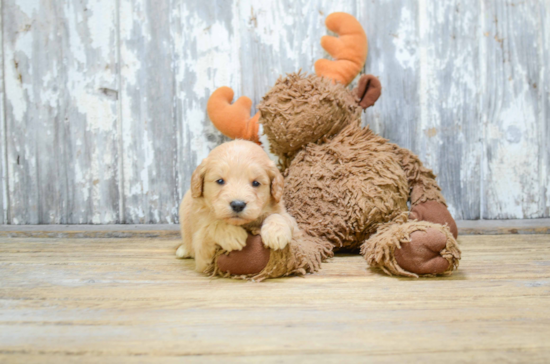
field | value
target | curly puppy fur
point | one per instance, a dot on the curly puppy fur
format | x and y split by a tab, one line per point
238	171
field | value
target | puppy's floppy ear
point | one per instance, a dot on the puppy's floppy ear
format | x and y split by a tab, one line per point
197	179
277	183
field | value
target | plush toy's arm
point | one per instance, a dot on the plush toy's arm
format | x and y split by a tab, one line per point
427	202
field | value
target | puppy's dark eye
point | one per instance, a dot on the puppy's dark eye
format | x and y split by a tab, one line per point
220	181
256	184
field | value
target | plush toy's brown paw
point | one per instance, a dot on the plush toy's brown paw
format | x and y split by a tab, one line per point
250	260
423	254
412	249
435	212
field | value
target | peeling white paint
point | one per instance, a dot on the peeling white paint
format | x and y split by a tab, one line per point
13	81
457	77
101	17
4	199
29	7
405	38
514	160
74	20
60	124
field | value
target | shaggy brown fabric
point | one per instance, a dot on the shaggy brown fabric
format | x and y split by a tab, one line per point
379	250
421	179
251	260
304	254
301	109
436	212
344	189
368	91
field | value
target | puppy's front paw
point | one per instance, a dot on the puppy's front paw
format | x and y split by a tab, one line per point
232	238
276	233
182	252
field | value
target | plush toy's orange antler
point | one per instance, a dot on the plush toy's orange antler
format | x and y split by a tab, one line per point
233	121
349	50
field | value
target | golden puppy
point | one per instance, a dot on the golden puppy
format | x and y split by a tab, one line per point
235	188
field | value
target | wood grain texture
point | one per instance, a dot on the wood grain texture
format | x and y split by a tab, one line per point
105	100
61	111
544	160
149	128
447	134
4	204
102	300
515	180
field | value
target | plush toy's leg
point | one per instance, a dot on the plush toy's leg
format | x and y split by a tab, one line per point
436	212
412	249
302	255
427	202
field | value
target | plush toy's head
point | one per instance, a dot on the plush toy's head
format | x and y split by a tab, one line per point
301	108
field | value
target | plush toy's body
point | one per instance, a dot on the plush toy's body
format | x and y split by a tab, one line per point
344	185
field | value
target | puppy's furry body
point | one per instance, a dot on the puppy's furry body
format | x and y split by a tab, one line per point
235	171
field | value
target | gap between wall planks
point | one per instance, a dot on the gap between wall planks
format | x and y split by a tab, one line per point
102	103
465	227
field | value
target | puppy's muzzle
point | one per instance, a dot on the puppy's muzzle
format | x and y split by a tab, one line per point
237	205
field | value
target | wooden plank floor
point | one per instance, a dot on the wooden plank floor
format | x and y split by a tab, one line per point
130	300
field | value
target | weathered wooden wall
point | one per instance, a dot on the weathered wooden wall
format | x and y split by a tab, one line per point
102	102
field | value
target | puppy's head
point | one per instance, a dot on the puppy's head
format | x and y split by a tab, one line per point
238	182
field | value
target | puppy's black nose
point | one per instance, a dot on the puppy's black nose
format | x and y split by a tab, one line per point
237	205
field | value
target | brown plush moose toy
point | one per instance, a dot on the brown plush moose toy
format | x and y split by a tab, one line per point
347	187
